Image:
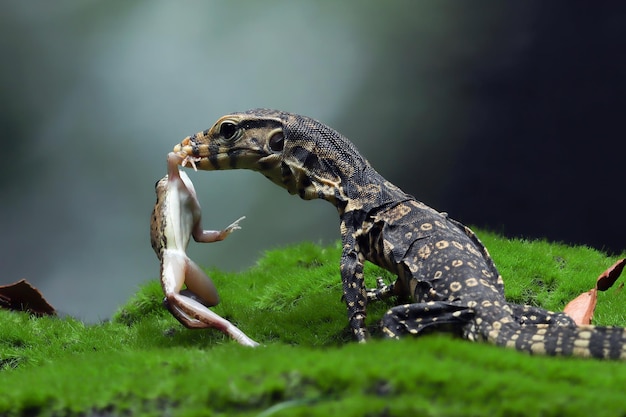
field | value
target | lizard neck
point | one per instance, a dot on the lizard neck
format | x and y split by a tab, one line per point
319	162
366	191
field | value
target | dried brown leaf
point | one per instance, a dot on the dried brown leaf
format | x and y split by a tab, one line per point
608	277
22	296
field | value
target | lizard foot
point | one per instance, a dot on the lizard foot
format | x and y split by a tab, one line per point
381	292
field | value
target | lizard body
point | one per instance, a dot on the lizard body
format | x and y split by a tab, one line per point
442	267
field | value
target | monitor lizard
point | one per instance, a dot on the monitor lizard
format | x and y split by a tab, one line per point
442	268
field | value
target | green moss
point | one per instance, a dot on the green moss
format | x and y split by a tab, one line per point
143	362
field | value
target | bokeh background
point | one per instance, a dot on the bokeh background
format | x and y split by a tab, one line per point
508	115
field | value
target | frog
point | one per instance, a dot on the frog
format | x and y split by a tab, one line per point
176	218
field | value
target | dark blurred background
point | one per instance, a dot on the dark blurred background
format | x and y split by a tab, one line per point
507	115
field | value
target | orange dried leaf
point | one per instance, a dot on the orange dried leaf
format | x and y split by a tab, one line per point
582	307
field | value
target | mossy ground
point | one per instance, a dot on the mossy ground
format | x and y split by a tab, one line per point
143	362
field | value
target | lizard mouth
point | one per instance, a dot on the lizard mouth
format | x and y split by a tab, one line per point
193	155
212	156
198	156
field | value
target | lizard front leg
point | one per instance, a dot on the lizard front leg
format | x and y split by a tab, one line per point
354	291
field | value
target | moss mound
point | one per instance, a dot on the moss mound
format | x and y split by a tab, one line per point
143	362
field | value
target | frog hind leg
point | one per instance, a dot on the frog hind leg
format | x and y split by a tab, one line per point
190	312
200	284
193	314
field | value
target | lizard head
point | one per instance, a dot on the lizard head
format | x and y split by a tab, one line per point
295	152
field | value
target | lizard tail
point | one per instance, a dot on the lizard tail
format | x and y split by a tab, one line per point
524	328
548	339
527	329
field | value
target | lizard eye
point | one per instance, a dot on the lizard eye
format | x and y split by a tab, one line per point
277	142
228	130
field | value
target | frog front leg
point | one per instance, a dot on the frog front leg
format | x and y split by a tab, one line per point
177	269
209	236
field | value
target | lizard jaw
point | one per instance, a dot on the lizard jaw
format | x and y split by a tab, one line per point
212	157
198	162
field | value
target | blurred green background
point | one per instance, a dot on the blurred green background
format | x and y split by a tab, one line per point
508	115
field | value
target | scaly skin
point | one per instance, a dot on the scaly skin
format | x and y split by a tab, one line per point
442	267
